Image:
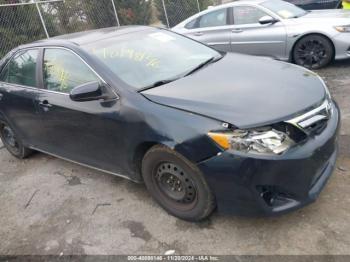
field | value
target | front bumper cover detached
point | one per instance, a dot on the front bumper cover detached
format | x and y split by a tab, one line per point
252	185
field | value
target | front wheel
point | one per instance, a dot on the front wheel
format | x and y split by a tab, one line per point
313	52
176	184
12	142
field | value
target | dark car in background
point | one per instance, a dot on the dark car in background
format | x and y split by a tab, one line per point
252	136
316	4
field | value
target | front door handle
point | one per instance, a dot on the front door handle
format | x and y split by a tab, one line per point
237	30
45	104
198	33
1	96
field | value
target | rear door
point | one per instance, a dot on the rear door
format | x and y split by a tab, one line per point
85	132
18	89
212	29
250	37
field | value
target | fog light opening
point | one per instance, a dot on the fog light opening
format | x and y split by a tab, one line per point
273	196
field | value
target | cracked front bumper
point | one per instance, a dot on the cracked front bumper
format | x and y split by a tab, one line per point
253	185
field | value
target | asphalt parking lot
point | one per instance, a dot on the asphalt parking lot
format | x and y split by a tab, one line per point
50	206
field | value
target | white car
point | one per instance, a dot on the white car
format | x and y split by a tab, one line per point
273	28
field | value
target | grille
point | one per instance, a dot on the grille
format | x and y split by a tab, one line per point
314	121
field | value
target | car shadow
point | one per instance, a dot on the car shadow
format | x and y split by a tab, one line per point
340	63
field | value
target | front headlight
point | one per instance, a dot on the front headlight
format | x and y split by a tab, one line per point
265	140
343	28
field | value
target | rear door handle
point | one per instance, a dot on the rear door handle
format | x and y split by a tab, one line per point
198	33
237	30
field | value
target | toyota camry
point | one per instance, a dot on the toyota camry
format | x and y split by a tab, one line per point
191	123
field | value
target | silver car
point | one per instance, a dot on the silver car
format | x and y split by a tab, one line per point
273	28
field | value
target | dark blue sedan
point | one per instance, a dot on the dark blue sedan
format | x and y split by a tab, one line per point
201	128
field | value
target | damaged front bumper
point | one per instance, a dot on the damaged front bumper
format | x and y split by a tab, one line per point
251	185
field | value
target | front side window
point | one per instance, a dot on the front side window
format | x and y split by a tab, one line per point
214	18
144	58
64	70
21	70
247	15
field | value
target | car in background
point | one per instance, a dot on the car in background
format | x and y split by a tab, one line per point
273	28
153	106
316	4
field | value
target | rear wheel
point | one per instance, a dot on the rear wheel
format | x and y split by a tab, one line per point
12	143
313	52
176	184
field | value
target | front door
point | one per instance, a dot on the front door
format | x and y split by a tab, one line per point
77	131
250	37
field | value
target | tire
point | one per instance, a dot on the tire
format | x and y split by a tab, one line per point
12	142
187	195
313	51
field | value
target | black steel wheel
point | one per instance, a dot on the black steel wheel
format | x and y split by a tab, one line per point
176	184
12	143
313	52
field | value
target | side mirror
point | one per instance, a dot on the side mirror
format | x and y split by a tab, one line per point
89	92
265	20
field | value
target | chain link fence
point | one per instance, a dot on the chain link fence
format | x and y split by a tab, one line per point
23	21
19	24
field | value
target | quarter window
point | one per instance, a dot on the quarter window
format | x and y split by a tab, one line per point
191	25
247	15
21	70
214	18
64	70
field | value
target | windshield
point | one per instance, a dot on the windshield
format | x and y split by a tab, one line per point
151	57
284	9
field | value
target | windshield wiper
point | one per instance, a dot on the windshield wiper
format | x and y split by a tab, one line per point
300	15
158	83
166	81
201	65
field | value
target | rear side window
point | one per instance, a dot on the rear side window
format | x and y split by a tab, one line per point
64	70
214	18
21	70
247	15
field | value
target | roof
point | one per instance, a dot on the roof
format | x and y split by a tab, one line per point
87	37
232	3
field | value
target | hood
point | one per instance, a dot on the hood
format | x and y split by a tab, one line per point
245	91
328	17
331	13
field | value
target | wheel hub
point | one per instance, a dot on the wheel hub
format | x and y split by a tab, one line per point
311	52
175	183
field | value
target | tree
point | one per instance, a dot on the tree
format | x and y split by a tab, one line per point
100	13
136	12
